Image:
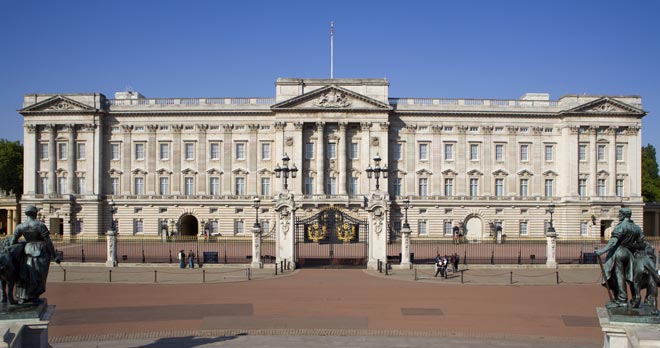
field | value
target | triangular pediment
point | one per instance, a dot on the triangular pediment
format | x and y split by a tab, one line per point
331	98
474	172
550	173
605	106
525	172
500	172
423	171
449	172
58	104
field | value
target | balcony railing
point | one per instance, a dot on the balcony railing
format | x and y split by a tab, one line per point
192	101
480	102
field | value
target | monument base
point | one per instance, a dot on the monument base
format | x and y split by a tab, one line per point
25	325
620	334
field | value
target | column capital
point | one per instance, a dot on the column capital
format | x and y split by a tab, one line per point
31	128
488	129
228	128
342	126
512	129
436	128
298	125
384	125
253	128
152	128
462	129
320	125
279	125
365	126
48	128
127	128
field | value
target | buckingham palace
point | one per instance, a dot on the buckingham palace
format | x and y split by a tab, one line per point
194	166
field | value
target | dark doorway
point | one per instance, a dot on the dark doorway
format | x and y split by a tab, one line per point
57	226
188	226
604	226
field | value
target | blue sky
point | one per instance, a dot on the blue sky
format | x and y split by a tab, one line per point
451	49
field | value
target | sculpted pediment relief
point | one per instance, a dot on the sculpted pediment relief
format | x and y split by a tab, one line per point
500	172
474	172
214	171
58	104
606	105
449	172
162	171
525	172
423	171
331	98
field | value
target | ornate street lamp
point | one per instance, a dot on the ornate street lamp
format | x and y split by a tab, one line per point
406	206
256	226
113	210
377	170
551	210
285	170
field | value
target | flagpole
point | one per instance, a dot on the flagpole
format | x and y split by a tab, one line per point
332	49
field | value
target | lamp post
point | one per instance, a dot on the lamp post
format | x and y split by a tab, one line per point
256	236
405	236
111	261
551	241
256	225
113	210
551	228
377	170
406	206
284	171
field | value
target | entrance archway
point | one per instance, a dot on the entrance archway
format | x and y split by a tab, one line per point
473	228
188	226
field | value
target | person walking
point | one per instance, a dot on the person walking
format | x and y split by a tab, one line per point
191	259
456	261
182	259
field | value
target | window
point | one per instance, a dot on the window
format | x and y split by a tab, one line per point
164	151
474	152
139	151
265	226
240	186
190	151
215	151
114	186
449	152
423	187
423	152
523	228
524	152
265	186
213	227
353	151
265	151
600	155
79	226
524	187
43	151
240	151
238	226
138	226
61	185
309	150
549	155
81	151
309	185
422	228
549	183
44	185
397	186
619	187
164	186
446	228
582	152
600	185
80	185
189	187
332	150
114	152
61	149
499	187
449	187
619	153
396	152
332	186
584	228
499	152
474	187
139	186
352	186
214	186
582	187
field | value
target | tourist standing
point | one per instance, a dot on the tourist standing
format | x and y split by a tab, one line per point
191	259
182	259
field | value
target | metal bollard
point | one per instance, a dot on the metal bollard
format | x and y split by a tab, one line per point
276	268
64	273
462	271
110	275
282	266
249	274
82	255
511	278
557	274
415	274
203	276
170	255
155	276
144	260
387	267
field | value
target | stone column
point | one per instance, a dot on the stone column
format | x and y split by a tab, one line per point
226	159
31	163
593	162
377	209
175	185
285	237
410	160
342	158
488	157
202	157
551	249
462	159
71	160
278	153
111	237
365	154
297	155
405	247
512	159
253	152
52	159
320	159
256	247
126	160
152	155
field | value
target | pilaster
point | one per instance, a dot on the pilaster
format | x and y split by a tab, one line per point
176	159
30	163
126	159
378	206
152	155
342	158
52	159
320	159
253	152
71	159
461	156
227	158
202	157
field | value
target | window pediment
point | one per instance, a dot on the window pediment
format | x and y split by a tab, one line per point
449	172
214	171
115	171
139	171
525	173
475	172
240	171
550	173
500	172
424	172
162	171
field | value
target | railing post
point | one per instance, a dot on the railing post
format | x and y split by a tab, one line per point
520	257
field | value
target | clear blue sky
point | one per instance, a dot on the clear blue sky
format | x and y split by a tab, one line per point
453	49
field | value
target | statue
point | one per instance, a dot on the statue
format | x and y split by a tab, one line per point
26	263
628	262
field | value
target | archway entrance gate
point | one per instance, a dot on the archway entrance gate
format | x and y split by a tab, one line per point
331	238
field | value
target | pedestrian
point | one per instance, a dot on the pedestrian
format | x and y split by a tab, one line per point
191	259
182	259
456	260
438	265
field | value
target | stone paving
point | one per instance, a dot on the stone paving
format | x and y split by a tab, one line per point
220	307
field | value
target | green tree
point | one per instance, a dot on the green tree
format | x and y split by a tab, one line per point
11	167
650	177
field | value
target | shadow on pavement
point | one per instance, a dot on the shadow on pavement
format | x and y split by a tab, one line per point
188	341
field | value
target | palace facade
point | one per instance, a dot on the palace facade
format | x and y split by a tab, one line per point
181	166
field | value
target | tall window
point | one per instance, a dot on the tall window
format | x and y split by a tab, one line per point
265	186
446	228
309	150
215	151
619	187
61	185
114	152
114	186
600	185
499	187
80	185
240	151
332	186
423	152
397	186
474	187
62	151
549	155
524	187
499	152
549	183
524	152
265	151
44	185
474	152
265	226
80	151
423	186
353	185
601	152
139	151
523	228
213	227
240	186
449	187
396	152
582	187
190	151
43	151
332	150
422	225
139	185
582	152
214	186
189	186
619	153
164	186
239	227
164	151
79	226
353	151
584	228
309	185
138	226
449	152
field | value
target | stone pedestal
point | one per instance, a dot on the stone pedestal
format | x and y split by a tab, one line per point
285	238
111	236
405	247
378	209
256	247
551	249
25	325
619	334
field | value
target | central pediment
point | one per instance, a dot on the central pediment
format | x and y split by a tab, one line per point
331	98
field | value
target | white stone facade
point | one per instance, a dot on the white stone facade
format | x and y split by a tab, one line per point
182	165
